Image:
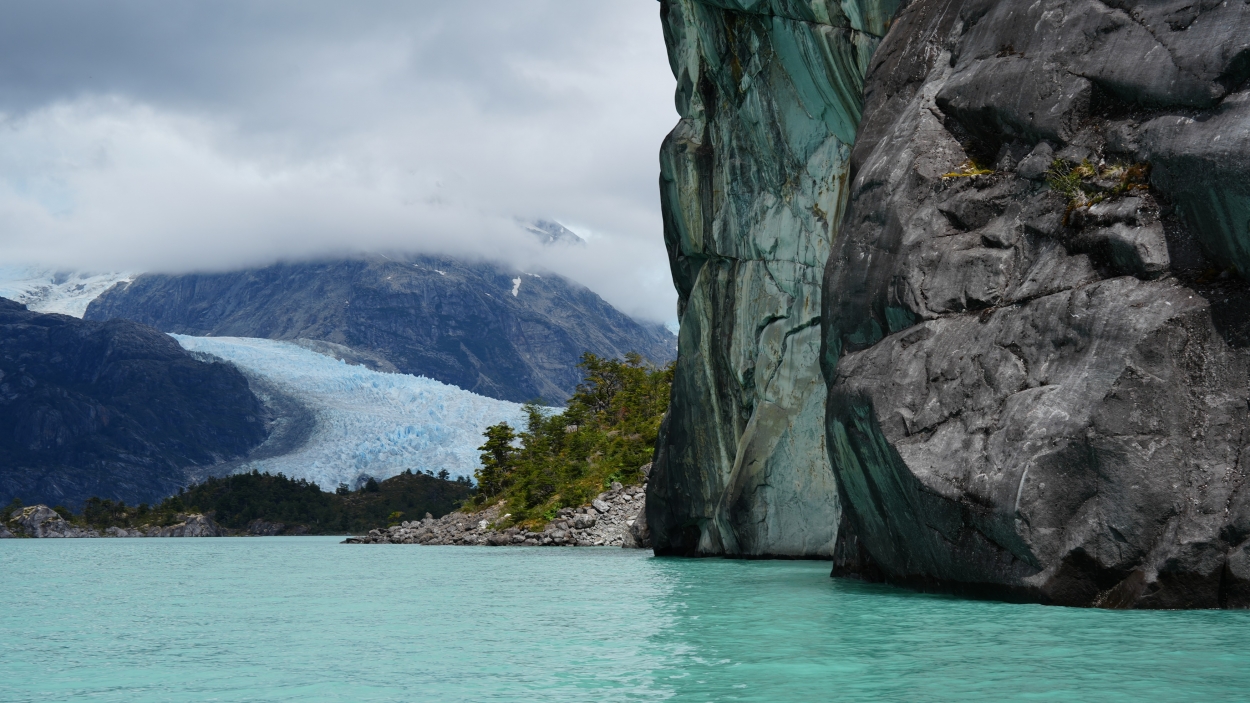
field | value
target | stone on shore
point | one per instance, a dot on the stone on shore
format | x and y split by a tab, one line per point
40	521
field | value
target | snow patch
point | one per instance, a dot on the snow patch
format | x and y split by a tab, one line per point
45	290
516	286
367	422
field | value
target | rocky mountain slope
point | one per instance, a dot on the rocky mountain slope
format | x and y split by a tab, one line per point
112	409
753	181
1035	317
505	334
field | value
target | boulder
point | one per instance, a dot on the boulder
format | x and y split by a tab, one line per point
261	528
1037	382
43	522
637	536
194	525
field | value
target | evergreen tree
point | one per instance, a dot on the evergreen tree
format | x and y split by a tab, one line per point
497	460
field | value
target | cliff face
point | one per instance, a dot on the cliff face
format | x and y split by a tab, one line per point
114	409
753	182
1035	317
499	333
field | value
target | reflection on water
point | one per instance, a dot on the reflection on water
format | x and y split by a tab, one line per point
307	619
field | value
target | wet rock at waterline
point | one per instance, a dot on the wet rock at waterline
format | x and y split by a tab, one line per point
1034	318
752	185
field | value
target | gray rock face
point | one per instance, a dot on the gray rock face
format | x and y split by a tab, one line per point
488	329
1035	318
752	186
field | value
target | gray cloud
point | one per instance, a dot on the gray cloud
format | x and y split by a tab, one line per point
178	135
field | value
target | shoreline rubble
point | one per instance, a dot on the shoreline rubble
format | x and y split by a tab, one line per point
615	518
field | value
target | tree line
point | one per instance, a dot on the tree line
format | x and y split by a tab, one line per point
236	500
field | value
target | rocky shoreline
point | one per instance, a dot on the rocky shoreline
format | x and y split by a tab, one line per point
40	521
615	518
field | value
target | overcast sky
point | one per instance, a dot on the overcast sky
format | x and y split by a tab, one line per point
172	135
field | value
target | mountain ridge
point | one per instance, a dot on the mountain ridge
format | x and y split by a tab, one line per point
486	328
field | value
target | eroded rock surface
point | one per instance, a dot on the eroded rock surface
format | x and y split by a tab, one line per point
752	186
1035	317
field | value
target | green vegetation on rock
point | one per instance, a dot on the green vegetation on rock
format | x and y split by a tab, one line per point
1086	184
607	433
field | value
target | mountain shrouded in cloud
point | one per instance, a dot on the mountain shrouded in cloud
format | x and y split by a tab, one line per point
184	136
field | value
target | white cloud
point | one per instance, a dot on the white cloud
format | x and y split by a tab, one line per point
427	129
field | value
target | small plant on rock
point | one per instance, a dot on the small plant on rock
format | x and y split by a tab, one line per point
968	169
1085	184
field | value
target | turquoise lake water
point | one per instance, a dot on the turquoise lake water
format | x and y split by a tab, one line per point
308	619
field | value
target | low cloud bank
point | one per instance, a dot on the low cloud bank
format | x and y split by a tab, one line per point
320	130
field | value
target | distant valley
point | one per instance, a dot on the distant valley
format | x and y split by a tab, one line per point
326	360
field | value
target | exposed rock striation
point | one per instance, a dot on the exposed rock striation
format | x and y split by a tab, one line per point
616	518
1035	317
115	409
497	332
753	182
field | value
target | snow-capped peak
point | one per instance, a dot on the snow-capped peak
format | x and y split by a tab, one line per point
45	290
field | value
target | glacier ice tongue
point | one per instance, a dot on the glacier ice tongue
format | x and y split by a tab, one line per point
367	422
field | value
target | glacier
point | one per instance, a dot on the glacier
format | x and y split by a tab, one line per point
50	291
366	422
